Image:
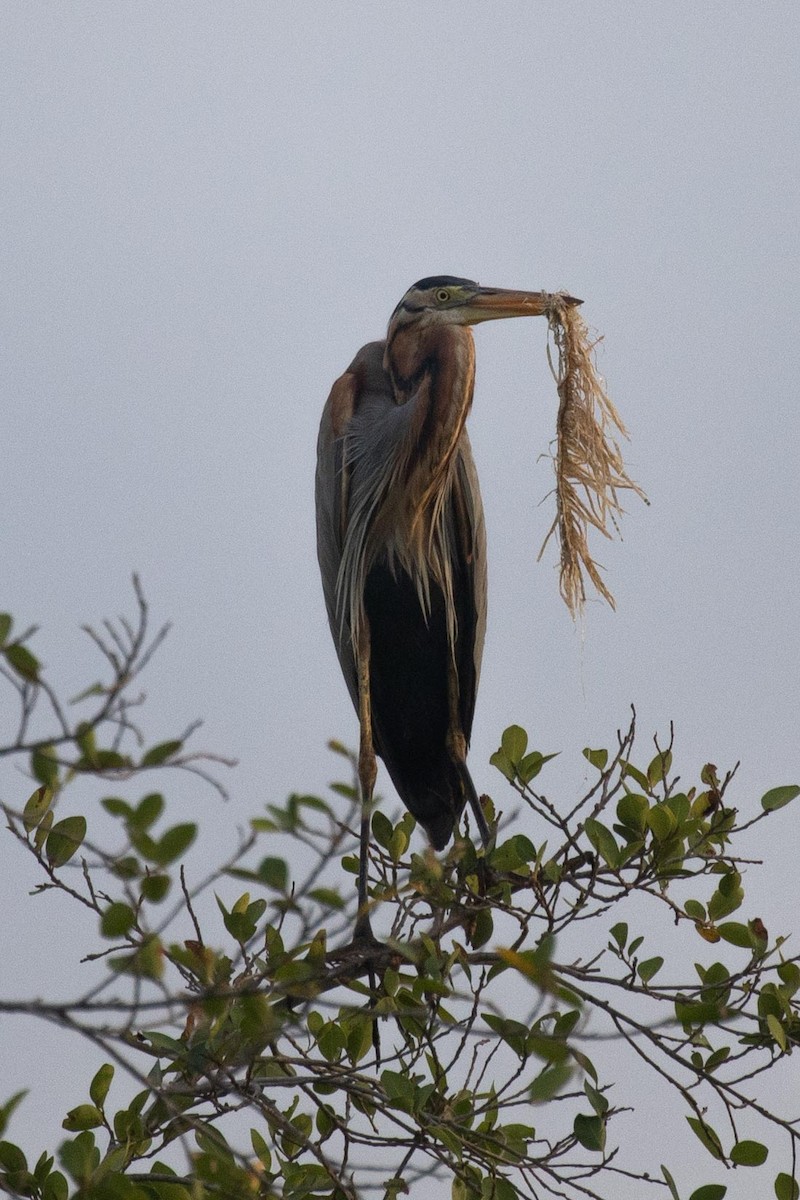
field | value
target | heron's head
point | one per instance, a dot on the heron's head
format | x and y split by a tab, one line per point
448	300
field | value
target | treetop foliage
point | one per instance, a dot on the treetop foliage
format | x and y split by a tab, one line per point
251	1049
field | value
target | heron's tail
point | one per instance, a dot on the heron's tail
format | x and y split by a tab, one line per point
437	797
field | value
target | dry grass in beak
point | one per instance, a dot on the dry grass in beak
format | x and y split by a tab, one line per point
588	463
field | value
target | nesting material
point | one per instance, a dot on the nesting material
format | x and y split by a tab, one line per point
590	471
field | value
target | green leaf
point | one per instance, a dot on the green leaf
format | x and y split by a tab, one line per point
632	811
6	621
117	919
786	1188
399	1088
717	1058
12	1158
565	1023
55	1187
44	765
789	974
498	1188
127	867
7	1109
382	829
147	811
98	1088
359	1037
550	1082
155	887
504	765
324	1121
531	764
603	841
708	1137
174	842
64	840
36	806
735	934
543	1045
111	760
398	843
749	1154
777	1031
659	768
147	961
777	797
166	1046
328	897
240	923
117	807
274	873
597	1100
518	851
44	827
87	743
670	1182
695	910
514	742
710	1191
728	896
481	929
649	968
598	758
94	689
629	769
80	1156
23	662
331	1041
85	1116
662	822
159	754
260	1149
590	1131
619	932
513	1033
680	805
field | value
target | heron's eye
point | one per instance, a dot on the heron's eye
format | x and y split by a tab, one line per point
443	295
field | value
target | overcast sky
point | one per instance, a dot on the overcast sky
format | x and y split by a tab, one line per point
208	207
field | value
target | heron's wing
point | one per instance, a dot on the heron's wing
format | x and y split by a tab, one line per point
332	492
362	394
469	575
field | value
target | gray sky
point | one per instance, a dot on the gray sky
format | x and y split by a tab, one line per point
208	208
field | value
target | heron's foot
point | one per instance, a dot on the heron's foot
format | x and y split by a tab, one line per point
362	948
363	937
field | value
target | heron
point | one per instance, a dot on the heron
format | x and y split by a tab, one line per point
401	544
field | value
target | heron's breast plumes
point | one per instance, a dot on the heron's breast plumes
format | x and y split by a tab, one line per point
394	517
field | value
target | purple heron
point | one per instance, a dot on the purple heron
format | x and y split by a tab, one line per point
402	549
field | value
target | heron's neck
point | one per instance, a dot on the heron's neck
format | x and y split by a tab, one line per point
434	371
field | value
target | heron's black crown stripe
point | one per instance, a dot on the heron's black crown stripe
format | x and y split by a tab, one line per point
433	281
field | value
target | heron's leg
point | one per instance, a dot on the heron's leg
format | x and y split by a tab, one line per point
367	773
457	745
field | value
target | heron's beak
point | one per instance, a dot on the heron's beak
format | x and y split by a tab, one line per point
493	304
